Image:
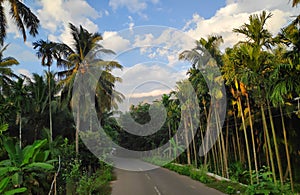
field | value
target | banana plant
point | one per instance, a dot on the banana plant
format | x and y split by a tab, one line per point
19	173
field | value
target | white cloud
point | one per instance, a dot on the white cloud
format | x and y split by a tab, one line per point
55	16
113	41
136	77
153	93
235	14
131	23
132	5
145	83
166	43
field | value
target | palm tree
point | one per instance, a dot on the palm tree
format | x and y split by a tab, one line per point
206	54
6	72
19	97
47	51
86	45
22	16
257	64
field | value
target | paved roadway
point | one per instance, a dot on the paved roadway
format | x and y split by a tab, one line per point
158	181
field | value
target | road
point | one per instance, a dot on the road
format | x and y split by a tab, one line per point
159	181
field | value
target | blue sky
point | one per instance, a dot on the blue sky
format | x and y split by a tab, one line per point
194	18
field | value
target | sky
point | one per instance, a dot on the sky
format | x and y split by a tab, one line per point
146	35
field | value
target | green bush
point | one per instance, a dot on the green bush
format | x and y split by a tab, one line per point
98	183
266	184
230	190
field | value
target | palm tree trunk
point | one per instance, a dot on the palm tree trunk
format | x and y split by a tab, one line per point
268	142
188	153
286	148
20	129
225	163
246	140
227	137
237	138
77	131
193	139
234	148
169	129
253	139
50	109
275	144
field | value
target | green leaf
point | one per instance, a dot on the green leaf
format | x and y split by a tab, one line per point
17	179
41	156
3	127
6	162
5	170
16	191
3	184
40	165
29	151
10	149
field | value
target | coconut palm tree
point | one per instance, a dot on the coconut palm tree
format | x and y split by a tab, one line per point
47	51
22	17
6	73
86	45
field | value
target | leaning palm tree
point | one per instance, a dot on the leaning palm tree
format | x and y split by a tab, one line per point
22	17
86	45
6	73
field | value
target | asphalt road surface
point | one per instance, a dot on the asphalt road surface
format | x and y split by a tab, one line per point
159	181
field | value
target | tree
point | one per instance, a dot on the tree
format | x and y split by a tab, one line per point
258	65
47	51
86	45
22	16
6	73
19	97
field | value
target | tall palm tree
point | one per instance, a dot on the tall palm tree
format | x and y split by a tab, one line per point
258	64
86	44
22	16
206	53
47	51
6	73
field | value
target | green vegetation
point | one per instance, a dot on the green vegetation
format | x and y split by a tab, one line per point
40	151
258	145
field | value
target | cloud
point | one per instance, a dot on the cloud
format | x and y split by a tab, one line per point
132	5
146	83
131	23
55	16
113	41
153	93
165	43
235	14
142	78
